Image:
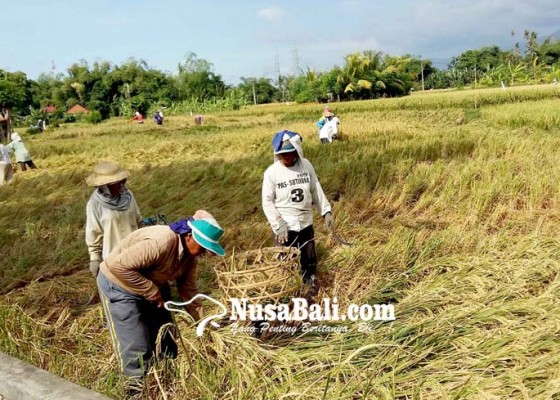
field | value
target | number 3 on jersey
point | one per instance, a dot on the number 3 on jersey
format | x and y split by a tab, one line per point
297	195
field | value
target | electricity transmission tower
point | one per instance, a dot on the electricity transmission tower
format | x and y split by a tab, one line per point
295	60
280	83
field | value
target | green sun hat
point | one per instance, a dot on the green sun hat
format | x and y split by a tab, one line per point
206	232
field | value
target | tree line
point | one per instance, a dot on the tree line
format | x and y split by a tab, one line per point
120	90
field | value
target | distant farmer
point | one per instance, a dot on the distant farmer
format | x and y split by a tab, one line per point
22	155
159	117
4	123
6	169
41	125
290	189
139	118
133	286
198	119
324	134
112	212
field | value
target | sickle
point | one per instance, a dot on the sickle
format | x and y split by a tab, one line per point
340	240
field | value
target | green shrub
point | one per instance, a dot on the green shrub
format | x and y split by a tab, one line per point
33	130
94	117
69	118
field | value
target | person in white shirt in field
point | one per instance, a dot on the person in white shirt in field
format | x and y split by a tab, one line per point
6	169
289	191
22	155
111	211
328	126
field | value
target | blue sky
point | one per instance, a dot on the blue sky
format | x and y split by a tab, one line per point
243	38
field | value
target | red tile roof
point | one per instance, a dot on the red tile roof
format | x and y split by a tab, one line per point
77	109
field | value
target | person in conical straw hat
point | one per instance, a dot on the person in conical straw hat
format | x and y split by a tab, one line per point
111	212
326	117
289	191
133	286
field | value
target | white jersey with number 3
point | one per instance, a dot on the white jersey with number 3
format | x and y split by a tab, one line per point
290	193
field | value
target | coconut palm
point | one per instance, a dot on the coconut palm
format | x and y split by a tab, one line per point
359	69
371	74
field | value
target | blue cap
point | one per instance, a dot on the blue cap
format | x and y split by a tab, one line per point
287	147
281	141
206	232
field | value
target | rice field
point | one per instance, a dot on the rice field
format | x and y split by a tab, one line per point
450	198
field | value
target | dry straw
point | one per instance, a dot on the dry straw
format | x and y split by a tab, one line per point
267	274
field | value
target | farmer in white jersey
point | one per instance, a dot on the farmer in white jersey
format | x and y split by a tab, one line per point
290	189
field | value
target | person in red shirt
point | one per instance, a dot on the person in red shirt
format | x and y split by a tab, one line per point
139	118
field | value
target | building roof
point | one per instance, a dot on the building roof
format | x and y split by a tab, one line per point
49	109
77	109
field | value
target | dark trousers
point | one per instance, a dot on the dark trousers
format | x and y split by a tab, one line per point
134	324
23	165
324	140
304	240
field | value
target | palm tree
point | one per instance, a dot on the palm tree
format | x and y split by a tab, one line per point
360	71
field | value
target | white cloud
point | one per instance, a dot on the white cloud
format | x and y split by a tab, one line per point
442	29
271	13
481	17
435	29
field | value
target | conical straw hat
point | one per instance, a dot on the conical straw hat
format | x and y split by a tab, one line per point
105	173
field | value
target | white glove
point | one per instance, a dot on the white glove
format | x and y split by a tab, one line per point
282	232
329	222
94	267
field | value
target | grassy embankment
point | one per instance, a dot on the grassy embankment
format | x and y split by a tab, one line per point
454	213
